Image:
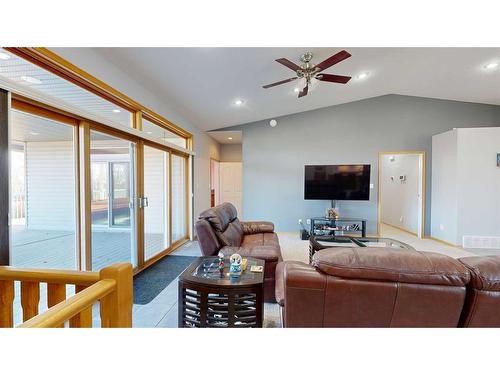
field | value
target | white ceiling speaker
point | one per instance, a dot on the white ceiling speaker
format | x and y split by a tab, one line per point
273	123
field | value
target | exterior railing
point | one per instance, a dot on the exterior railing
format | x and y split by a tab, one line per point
112	287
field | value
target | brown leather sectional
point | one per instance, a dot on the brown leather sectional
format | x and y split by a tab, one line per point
379	287
220	230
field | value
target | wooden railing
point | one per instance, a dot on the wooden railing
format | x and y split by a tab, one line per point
112	287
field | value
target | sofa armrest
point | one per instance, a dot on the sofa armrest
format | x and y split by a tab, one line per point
254	227
300	290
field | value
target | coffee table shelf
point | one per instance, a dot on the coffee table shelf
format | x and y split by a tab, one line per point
207	299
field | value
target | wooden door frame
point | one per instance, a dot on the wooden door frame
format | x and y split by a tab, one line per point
421	154
210	174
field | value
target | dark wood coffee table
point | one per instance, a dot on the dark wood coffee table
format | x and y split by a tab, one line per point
207	299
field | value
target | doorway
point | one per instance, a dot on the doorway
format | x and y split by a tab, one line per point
401	191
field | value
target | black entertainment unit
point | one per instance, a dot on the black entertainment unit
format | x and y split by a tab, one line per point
332	226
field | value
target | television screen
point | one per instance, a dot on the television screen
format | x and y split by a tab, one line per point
337	182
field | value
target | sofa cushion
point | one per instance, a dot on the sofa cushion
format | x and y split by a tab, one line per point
233	235
225	224
485	272
220	217
383	264
253	227
266	253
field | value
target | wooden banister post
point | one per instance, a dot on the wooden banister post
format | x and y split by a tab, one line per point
30	298
116	307
6	304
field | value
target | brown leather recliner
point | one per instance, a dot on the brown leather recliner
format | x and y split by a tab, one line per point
372	287
220	230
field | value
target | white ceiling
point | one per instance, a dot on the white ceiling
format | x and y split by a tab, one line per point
203	83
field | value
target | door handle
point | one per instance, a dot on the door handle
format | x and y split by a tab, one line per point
142	202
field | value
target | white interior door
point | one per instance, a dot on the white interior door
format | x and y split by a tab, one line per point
231	184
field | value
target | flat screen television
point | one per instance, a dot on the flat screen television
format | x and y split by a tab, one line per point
337	182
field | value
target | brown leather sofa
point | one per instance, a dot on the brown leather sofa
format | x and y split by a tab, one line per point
482	304
378	287
219	229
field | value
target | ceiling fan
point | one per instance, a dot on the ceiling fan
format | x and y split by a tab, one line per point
309	71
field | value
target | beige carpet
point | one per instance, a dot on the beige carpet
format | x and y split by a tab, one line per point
293	248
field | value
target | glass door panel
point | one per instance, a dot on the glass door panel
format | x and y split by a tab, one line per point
120	199
156	191
43	192
113	194
100	194
179	199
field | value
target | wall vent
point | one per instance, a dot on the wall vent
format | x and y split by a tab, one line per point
481	242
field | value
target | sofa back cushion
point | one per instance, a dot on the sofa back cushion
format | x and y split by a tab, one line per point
384	264
224	221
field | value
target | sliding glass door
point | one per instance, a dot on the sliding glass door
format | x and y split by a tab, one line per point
112	170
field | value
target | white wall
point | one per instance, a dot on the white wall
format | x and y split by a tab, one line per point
444	187
399	199
50	186
465	184
478	182
204	145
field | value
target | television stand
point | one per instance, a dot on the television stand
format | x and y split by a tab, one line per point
346	225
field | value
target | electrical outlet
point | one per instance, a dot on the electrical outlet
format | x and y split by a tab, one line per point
300	221
441	227
308	221
371	186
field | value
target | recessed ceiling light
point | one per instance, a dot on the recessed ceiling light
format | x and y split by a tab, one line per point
230	138
149	132
296	89
492	65
34	133
273	123
362	75
32	80
238	102
116	111
4	56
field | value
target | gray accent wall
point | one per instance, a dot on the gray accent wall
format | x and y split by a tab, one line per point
351	133
232	153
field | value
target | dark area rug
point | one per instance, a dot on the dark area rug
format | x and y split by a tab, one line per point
150	282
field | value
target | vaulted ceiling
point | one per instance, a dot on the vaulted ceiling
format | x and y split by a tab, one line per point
204	83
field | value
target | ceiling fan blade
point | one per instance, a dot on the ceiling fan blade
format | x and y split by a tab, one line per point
304	91
288	64
280	82
333	78
335	59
